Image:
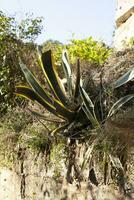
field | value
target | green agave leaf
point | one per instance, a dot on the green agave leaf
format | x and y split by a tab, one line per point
34	83
125	78
56	108
77	85
119	104
46	118
93	121
87	101
63	111
88	107
32	95
67	71
51	75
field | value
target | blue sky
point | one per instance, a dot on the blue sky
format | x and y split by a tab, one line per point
62	19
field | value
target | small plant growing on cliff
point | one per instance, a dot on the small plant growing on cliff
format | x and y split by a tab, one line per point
71	103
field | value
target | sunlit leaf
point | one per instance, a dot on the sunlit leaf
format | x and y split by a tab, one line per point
119	104
67	70
88	107
34	83
77	85
125	78
51	75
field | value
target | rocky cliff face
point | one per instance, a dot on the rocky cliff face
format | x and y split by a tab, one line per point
31	181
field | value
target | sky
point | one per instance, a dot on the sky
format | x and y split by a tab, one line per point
64	20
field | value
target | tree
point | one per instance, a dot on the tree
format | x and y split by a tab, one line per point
16	40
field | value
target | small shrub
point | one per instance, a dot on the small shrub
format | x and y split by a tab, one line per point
88	50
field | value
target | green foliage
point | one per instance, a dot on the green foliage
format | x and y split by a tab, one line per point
27	29
89	50
6	25
12	37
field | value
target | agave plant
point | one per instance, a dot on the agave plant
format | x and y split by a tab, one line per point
71	104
